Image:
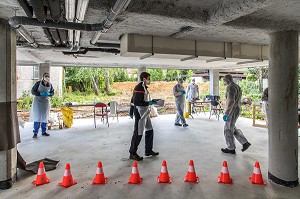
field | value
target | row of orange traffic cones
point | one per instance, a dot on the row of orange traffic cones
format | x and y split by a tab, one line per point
136	179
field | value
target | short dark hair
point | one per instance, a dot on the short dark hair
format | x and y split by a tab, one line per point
45	74
228	77
144	75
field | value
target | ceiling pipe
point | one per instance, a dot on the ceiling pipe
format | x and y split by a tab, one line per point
17	21
55	11
55	37
80	12
27	36
107	45
70	15
28	10
85	50
38	9
119	6
48	34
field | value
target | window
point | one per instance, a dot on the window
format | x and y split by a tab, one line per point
36	72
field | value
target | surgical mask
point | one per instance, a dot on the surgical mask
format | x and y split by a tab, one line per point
148	82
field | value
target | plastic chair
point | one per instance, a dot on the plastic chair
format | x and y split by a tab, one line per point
113	107
215	109
102	112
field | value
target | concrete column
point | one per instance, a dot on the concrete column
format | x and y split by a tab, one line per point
9	130
44	68
140	70
283	104
214	82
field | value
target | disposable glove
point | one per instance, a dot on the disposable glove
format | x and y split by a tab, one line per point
48	94
152	102
183	92
43	93
186	97
225	117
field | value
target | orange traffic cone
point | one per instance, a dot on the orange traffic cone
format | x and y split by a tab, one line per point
135	176
256	175
41	177
224	176
164	175
191	174
99	178
67	179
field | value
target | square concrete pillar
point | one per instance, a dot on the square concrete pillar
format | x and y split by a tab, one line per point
9	129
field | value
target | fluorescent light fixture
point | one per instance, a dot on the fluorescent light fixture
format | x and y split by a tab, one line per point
215	59
146	56
249	62
188	58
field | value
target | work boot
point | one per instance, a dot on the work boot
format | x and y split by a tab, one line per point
245	146
178	124
135	157
185	125
34	136
153	153
228	151
45	134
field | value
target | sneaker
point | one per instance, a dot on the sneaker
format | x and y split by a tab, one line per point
178	124
135	157
228	151
153	153
45	134
185	125
34	136
245	146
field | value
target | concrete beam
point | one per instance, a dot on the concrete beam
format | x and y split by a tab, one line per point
266	24
229	10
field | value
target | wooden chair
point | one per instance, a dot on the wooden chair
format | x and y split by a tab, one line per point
100	109
199	107
215	109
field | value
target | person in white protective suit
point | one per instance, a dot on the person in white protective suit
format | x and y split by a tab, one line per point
192	93
40	109
179	92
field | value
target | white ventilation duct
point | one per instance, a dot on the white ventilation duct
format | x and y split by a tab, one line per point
70	15
80	13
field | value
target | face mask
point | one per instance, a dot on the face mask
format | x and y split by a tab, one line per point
148	82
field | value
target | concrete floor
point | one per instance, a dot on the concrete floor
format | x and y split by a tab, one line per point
83	145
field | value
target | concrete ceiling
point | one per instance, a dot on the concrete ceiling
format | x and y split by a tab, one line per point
243	21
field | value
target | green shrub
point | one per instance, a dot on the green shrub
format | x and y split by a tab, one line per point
25	101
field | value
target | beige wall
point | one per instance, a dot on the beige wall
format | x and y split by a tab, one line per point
25	79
